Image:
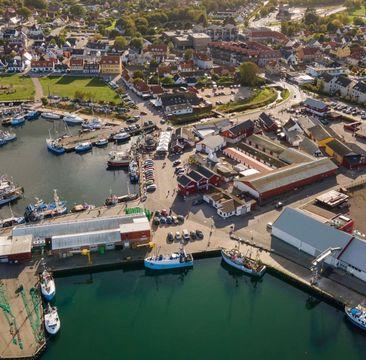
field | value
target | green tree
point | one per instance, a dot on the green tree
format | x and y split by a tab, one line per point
248	73
137	43
188	54
120	43
138	74
25	12
311	17
36	4
77	10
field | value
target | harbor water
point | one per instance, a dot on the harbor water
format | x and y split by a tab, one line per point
78	178
209	312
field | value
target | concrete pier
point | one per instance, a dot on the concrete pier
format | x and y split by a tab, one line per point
21	312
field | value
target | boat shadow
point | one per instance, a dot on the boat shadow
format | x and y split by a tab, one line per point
181	272
237	274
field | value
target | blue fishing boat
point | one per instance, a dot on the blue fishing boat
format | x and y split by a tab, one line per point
41	210
8	136
2	141
17	121
101	143
174	261
54	146
32	115
83	147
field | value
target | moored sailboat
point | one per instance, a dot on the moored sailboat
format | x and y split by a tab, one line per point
52	321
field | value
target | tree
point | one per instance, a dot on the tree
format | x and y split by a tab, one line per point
36	4
311	17
120	43
248	73
188	54
229	20
359	21
25	12
138	74
137	43
334	25
77	10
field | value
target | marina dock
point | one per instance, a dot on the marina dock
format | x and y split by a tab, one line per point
21	319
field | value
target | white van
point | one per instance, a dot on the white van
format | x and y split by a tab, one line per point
185	234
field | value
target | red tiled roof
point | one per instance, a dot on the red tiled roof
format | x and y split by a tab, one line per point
110	60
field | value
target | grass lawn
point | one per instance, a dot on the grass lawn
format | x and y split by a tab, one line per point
358	12
66	86
258	99
16	87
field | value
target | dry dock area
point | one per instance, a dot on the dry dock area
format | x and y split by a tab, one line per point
21	318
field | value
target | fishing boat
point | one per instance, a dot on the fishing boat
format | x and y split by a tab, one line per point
32	115
83	147
174	261
357	315
101	143
41	210
93	124
51	116
55	147
241	262
82	207
115	199
72	119
12	221
9	191
17	121
133	170
2	142
48	287
7	136
51	320
121	137
118	159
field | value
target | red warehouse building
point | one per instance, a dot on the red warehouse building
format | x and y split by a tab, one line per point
135	232
268	185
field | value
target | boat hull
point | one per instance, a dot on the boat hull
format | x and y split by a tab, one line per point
49	294
353	321
160	265
242	268
9	199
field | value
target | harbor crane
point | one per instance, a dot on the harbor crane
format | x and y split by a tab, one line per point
318	262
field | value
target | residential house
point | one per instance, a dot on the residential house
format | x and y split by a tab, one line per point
309	54
203	61
91	68
43	65
110	64
141	88
234	133
211	144
266	35
76	65
358	92
158	52
267	122
293	132
316	107
15	65
61	68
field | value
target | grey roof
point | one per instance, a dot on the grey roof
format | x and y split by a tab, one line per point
213	141
308	146
319	132
361	87
310	231
343	81
355	254
289	174
315	104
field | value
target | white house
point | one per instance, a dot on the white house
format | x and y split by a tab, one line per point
211	144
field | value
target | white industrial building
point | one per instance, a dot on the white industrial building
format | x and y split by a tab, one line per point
313	237
74	235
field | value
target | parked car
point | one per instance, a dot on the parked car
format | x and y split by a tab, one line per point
180	218
186	235
193	235
279	205
199	234
178	236
176	162
170	237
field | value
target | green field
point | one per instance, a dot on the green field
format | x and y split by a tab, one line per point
358	12
72	86
258	99
16	87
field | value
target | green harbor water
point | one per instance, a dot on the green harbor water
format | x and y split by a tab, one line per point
210	312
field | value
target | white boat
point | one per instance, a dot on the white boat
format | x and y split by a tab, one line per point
357	315
122	136
241	262
51	116
118	159
174	261
51	320
72	119
48	287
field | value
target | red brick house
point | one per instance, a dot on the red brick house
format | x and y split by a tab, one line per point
308	53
